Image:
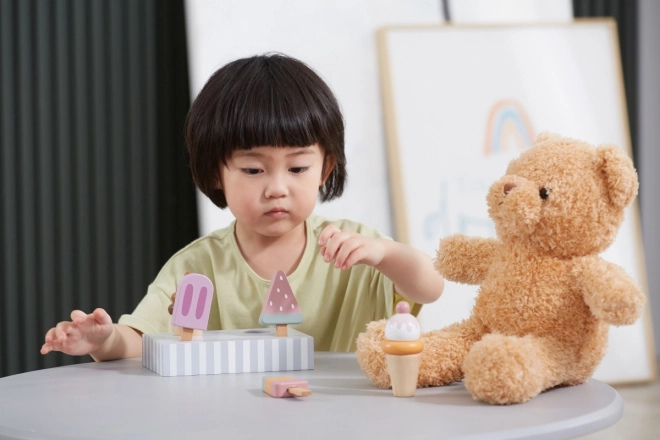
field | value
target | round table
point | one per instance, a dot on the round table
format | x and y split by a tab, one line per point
121	399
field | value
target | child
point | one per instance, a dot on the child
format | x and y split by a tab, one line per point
266	139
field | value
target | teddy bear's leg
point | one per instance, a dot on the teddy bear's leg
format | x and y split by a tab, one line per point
370	356
587	355
444	351
510	369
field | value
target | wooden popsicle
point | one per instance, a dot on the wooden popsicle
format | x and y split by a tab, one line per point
286	387
192	304
280	307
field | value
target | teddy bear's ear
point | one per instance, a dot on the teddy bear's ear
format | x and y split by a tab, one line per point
619	174
545	136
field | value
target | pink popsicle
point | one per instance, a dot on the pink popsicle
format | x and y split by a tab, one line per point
285	387
193	302
280	308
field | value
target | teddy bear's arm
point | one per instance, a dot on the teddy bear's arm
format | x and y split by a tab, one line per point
611	294
465	259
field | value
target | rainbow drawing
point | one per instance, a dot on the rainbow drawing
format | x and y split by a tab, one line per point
507	122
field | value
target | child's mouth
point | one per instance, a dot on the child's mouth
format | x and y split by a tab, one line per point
277	213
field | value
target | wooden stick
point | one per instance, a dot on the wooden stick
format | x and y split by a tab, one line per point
281	330
178	330
299	391
187	334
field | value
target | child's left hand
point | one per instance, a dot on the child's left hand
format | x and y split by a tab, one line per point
349	248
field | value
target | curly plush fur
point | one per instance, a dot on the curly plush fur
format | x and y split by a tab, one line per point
546	298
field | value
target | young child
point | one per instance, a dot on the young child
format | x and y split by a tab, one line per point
266	139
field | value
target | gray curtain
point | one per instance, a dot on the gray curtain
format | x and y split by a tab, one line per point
95	190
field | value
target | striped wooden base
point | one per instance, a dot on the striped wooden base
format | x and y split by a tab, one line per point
227	351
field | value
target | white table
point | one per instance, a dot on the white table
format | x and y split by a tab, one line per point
121	399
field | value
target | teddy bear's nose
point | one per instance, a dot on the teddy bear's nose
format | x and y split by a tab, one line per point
508	187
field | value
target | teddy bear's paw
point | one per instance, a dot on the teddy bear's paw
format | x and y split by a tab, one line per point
370	355
448	250
464	259
611	294
503	370
622	314
619	306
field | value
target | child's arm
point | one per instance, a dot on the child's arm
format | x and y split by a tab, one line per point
410	270
93	334
124	342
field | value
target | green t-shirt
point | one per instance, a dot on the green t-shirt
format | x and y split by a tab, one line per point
336	305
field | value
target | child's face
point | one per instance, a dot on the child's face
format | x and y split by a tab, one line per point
270	190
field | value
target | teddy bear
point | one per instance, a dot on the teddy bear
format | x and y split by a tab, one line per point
545	300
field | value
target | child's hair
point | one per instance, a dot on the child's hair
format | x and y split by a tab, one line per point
265	100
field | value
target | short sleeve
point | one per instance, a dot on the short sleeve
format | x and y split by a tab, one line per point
151	315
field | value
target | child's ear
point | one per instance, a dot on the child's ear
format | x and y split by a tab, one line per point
329	163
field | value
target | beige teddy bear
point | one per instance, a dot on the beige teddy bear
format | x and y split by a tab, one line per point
546	298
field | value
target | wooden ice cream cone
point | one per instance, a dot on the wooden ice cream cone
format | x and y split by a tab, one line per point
404	370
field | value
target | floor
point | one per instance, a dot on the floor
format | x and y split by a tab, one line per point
641	415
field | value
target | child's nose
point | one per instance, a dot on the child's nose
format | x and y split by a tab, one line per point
276	187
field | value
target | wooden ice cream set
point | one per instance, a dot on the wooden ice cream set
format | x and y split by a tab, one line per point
192	350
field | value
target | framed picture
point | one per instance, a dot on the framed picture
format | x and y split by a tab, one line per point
462	101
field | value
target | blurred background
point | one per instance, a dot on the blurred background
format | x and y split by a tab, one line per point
95	189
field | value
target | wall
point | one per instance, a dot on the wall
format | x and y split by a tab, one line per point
338	40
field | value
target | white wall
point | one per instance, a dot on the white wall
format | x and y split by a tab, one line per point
510	11
337	38
649	149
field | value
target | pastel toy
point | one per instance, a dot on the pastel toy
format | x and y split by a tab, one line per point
546	297
228	352
193	304
403	350
175	328
280	308
285	387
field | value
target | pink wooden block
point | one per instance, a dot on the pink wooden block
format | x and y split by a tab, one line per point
193	302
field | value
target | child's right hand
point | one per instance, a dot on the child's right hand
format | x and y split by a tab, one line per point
83	335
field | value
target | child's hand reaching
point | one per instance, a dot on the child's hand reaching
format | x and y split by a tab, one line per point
349	248
83	335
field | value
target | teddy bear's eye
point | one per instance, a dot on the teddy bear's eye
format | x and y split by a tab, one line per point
543	193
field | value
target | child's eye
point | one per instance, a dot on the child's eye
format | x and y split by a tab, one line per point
251	171
298	170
